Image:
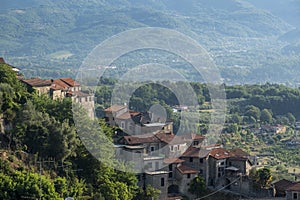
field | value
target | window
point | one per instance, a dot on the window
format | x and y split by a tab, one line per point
188	175
196	143
201	171
191	159
122	124
170	174
295	195
152	148
201	160
162	182
170	167
172	148
150	165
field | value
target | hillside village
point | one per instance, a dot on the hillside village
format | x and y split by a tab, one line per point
166	161
169	162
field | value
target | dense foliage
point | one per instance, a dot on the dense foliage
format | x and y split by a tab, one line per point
46	158
51	39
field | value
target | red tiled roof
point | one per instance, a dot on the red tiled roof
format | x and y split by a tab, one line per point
141	139
173	160
37	82
219	153
195	152
114	108
170	138
197	137
283	184
183	169
60	84
165	137
191	152
237	152
128	115
71	82
294	187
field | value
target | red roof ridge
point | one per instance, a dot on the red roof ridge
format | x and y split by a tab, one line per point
115	108
71	82
294	187
219	153
183	169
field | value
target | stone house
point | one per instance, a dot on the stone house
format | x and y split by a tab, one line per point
42	87
184	175
197	158
293	192
62	88
135	123
281	186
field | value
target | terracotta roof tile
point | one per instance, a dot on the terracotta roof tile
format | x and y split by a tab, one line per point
294	187
71	82
219	153
237	152
283	184
183	169
60	84
196	152
165	137
128	115
141	139
197	137
37	82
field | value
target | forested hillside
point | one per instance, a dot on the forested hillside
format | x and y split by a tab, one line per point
40	142
51	38
41	155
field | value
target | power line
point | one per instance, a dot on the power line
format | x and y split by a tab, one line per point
213	193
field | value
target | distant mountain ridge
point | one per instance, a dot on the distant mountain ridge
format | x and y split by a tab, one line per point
55	36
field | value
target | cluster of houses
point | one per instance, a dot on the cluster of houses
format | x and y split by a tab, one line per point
169	162
162	159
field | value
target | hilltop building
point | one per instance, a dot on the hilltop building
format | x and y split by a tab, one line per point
62	88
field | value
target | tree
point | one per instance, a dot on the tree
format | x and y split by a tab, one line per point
252	111
42	134
197	186
262	177
266	116
149	193
291	118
